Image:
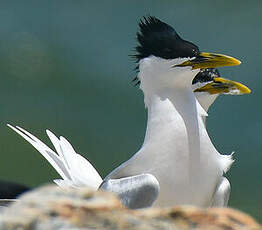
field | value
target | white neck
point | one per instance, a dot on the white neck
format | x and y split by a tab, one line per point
177	104
169	100
205	99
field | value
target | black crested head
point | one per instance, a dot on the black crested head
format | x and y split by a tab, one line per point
161	40
205	75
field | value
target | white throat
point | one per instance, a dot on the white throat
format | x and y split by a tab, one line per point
205	99
157	75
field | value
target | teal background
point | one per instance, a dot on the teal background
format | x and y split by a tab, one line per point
64	66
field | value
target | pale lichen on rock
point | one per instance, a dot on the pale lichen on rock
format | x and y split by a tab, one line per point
53	208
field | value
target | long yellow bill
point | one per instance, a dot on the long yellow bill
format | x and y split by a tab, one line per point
210	60
223	86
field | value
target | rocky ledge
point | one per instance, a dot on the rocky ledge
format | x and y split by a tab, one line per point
53	208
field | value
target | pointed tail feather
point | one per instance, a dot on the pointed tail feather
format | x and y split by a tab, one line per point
46	152
75	170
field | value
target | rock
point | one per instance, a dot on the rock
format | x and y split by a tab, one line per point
53	208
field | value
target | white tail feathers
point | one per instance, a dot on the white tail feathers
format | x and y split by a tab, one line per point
75	170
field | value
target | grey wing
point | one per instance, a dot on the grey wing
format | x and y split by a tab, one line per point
139	191
222	193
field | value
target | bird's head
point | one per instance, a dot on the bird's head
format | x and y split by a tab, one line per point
166	60
208	84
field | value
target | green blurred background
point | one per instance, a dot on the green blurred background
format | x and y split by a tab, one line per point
64	66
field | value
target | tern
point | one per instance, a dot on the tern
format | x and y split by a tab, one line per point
177	163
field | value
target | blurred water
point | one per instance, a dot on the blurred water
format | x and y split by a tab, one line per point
64	65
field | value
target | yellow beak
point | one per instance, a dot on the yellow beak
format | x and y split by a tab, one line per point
210	60
224	86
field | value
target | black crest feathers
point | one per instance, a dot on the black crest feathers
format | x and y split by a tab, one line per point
161	40
206	75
